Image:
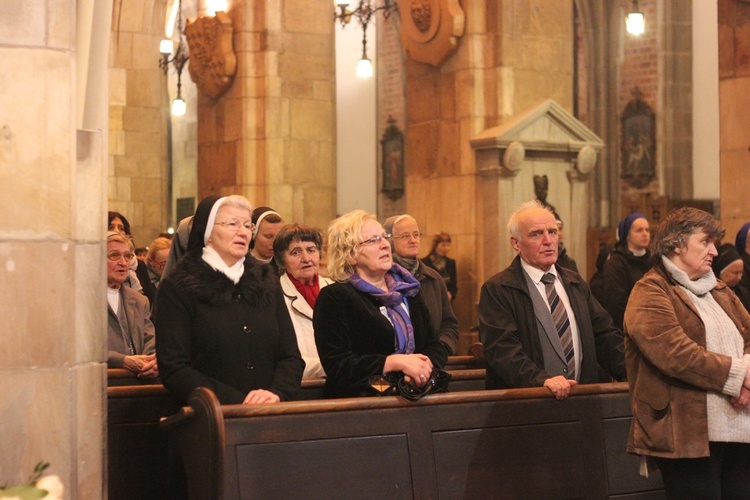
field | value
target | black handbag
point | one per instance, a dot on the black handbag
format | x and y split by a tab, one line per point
397	385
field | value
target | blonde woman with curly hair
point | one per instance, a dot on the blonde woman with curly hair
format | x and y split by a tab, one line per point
373	320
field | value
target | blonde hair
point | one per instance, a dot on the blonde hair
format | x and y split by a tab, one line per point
344	234
120	238
160	243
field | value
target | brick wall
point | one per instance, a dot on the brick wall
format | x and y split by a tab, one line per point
639	67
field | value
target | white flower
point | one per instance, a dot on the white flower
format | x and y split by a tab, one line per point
53	486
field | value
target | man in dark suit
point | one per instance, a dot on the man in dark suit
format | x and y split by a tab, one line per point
539	323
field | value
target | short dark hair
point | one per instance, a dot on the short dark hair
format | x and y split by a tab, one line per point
113	215
291	233
678	225
439	238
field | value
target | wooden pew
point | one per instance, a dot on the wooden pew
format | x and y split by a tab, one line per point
137	447
518	443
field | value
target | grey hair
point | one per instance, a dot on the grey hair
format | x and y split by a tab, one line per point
513	219
237	201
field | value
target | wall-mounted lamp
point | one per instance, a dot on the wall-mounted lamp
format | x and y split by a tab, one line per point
363	13
635	23
178	60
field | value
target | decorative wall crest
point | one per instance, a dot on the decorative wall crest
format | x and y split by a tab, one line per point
431	29
213	62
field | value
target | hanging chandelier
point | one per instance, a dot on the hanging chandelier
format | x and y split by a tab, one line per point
177	57
363	14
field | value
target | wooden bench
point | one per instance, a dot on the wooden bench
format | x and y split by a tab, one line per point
519	443
137	447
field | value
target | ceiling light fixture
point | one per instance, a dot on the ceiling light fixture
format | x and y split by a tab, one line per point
363	13
635	23
178	60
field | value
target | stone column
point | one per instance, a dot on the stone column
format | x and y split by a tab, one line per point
271	137
513	54
52	218
139	110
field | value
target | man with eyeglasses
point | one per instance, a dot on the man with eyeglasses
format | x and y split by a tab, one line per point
405	243
130	332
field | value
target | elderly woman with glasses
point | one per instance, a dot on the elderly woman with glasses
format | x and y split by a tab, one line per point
297	250
687	351
373	321
130	333
222	319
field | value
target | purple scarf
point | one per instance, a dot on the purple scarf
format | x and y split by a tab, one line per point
400	284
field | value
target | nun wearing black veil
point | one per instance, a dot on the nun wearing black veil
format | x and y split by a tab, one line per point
221	318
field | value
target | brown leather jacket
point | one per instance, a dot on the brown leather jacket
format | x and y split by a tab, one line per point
669	368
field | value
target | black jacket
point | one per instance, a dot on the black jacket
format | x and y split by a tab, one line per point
448	274
742	289
620	274
354	338
229	338
508	330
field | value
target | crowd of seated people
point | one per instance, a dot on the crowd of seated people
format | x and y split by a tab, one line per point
377	308
243	306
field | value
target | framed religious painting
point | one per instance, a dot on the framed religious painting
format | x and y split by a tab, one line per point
638	142
392	166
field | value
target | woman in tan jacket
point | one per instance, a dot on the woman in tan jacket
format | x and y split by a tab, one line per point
686	350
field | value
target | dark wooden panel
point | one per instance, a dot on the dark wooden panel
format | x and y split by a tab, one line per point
623	468
512	462
368	467
137	464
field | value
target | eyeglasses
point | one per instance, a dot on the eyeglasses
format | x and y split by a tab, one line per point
234	225
375	240
406	236
116	256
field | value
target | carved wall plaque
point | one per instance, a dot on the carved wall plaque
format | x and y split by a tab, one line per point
431	29
213	62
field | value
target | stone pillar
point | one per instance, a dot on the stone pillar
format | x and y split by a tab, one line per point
271	136
734	98
513	54
139	110
53	187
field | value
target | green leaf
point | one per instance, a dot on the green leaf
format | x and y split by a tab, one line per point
24	493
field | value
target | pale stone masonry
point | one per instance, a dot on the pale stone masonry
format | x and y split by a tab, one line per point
52	282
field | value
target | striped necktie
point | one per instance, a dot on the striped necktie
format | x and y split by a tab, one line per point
562	322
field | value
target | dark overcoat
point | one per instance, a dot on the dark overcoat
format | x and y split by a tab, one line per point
354	338
508	330
229	338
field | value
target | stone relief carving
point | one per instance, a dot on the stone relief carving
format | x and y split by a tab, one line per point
213	62
431	29
421	14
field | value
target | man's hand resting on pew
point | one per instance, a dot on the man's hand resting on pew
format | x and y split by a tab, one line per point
260	396
143	365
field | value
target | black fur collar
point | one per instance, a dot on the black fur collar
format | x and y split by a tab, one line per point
257	285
